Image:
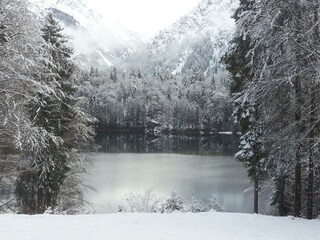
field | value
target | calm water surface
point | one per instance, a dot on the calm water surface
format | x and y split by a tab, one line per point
115	175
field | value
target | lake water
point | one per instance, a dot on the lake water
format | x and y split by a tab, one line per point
210	170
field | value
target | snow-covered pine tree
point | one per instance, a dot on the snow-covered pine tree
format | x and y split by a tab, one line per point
284	62
252	151
291	62
195	205
238	57
214	204
271	68
314	126
174	203
246	104
59	115
21	67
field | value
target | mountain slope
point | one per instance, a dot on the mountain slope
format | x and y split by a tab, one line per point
176	81
195	43
98	41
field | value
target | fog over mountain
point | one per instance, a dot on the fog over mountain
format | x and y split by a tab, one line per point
102	42
98	41
195	43
176	79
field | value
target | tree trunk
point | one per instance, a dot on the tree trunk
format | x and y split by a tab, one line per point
311	155
313	118
256	196
297	191
298	165
310	184
41	201
298	116
282	204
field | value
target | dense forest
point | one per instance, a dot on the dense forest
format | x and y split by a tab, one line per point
274	62
140	102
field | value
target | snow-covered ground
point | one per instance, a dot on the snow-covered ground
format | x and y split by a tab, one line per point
176	226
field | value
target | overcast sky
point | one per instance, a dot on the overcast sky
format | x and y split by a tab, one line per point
146	17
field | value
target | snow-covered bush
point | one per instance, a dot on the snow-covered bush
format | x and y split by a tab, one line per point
214	205
174	203
146	202
196	205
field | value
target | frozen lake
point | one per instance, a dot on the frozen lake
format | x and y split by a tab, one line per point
113	175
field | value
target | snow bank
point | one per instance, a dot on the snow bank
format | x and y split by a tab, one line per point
202	226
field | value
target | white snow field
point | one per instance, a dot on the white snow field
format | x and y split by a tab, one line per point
176	226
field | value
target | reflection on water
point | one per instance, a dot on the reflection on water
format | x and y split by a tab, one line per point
144	143
115	175
148	165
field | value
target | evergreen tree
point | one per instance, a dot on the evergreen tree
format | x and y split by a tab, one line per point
59	115
174	203
21	68
283	87
238	62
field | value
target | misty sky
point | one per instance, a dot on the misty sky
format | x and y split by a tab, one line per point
146	17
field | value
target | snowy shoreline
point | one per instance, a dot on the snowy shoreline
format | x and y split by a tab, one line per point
140	226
